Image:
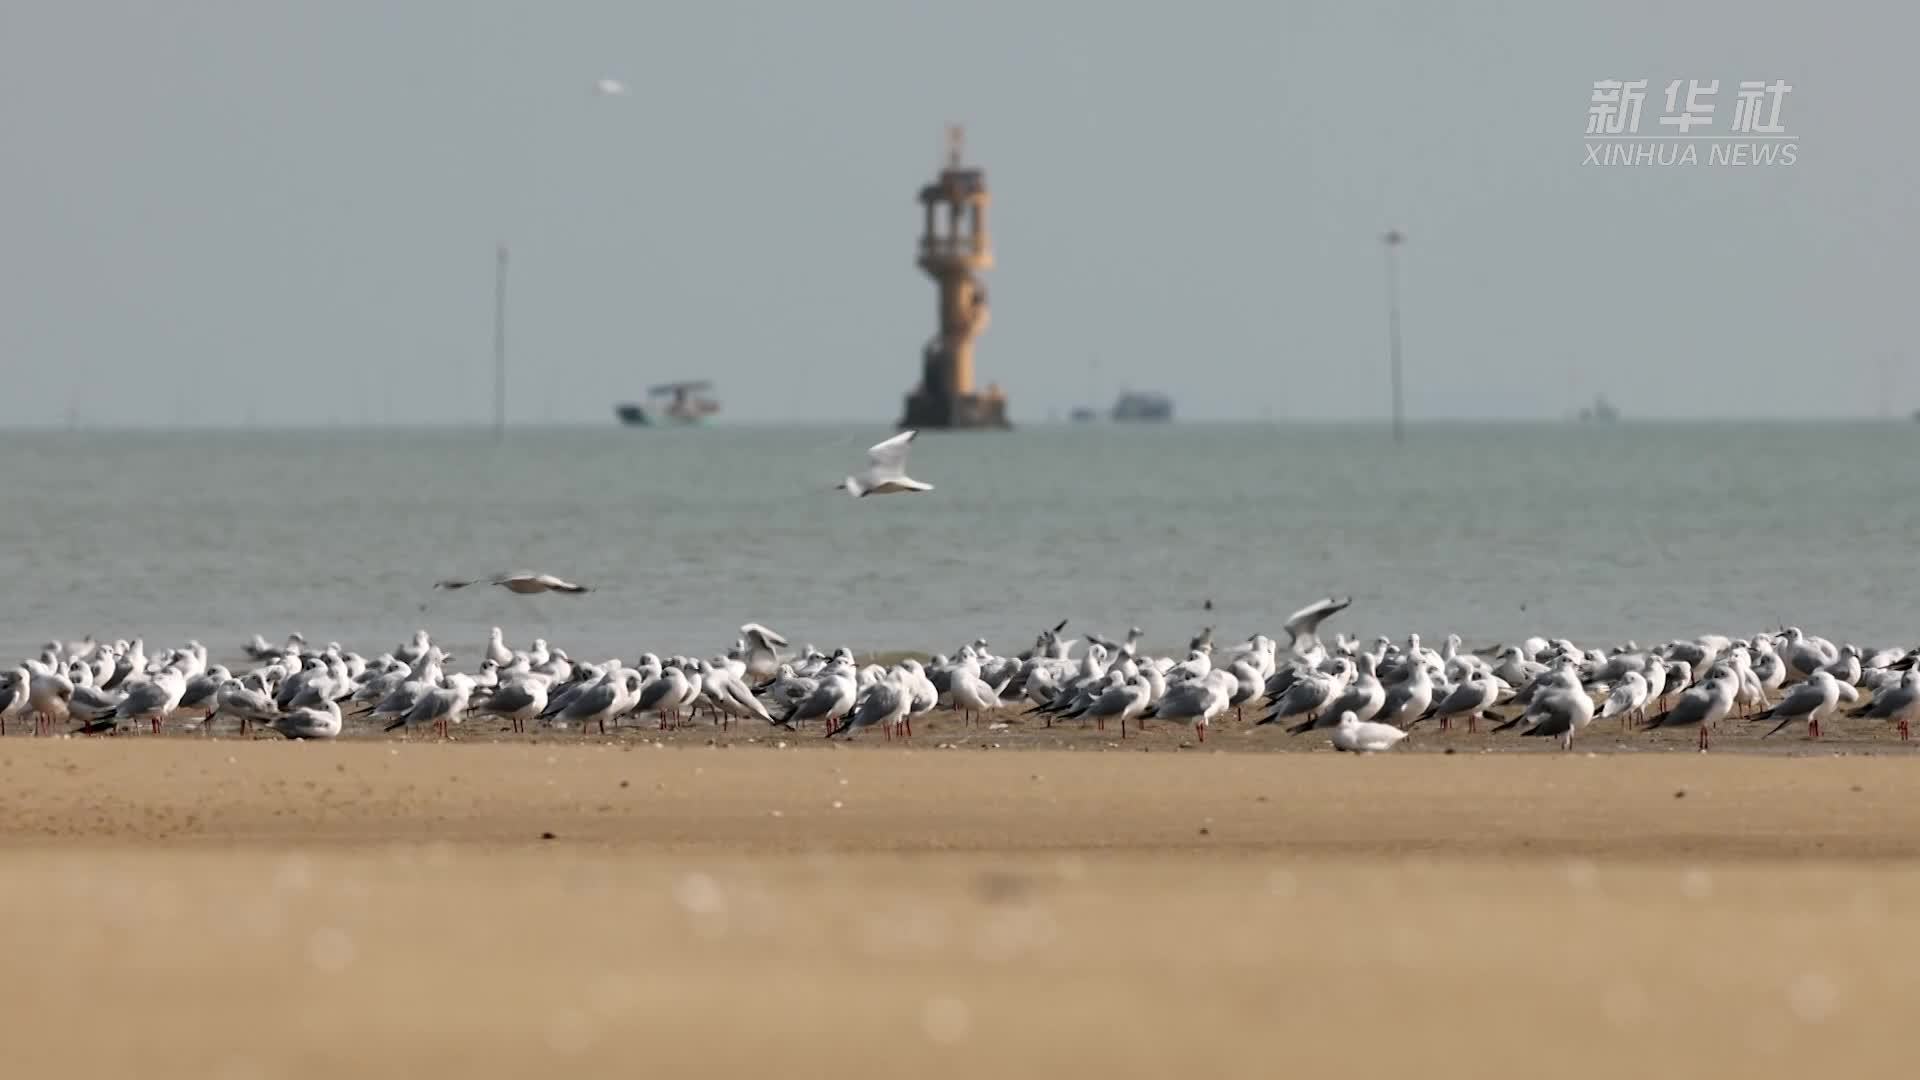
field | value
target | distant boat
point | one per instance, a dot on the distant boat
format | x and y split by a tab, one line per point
682	405
1600	412
1081	414
1143	406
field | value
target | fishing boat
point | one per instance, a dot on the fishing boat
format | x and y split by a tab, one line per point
674	403
1600	412
1142	405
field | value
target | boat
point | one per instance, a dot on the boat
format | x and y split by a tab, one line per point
1142	406
1600	412
682	405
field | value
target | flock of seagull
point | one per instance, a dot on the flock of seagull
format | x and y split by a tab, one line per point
1367	696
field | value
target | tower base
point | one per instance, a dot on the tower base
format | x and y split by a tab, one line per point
937	411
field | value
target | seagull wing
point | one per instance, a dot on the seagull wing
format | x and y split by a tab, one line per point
889	458
1304	625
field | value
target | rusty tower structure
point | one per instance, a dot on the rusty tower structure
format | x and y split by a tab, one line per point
954	250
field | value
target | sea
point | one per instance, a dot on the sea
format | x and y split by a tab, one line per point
1603	533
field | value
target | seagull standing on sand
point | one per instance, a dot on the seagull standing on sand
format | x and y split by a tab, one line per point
1559	710
1811	701
1472	698
1355	737
441	705
1125	701
51	695
246	699
13	696
519	700
882	703
973	695
1899	703
1309	693
322	722
1363	699
886	472
152	699
1198	700
1628	699
1704	704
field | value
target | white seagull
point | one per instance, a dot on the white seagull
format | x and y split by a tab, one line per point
1355	737
886	471
524	582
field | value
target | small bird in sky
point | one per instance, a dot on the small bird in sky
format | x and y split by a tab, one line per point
610	88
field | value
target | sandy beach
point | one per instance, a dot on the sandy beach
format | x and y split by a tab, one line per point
264	909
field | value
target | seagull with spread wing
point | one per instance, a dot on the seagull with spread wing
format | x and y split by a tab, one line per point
1303	628
886	471
523	582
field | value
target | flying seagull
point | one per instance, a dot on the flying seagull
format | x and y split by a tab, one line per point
610	88
1303	627
523	582
886	471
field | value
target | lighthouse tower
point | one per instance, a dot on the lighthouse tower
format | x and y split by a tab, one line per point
954	250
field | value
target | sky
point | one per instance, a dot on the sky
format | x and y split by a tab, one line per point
243	212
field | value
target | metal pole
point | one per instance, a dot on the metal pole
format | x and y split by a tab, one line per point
1394	239
500	345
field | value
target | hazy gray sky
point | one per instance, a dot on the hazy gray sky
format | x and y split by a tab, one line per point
280	212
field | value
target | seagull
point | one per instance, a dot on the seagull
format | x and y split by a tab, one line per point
244	698
729	695
1309	693
152	699
524	582
1811	700
973	694
610	88
762	652
1363	697
519	700
833	697
1355	737
1899	703
661	695
441	705
1125	701
884	704
1627	699
496	649
13	697
317	723
1472	698
1704	704
1560	710
886	470
50	694
1303	628
1199	700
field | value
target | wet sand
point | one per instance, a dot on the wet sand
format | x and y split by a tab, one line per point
178	907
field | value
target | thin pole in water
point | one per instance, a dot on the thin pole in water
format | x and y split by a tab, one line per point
500	344
1393	240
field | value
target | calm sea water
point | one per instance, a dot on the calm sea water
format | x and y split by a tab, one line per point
1635	531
